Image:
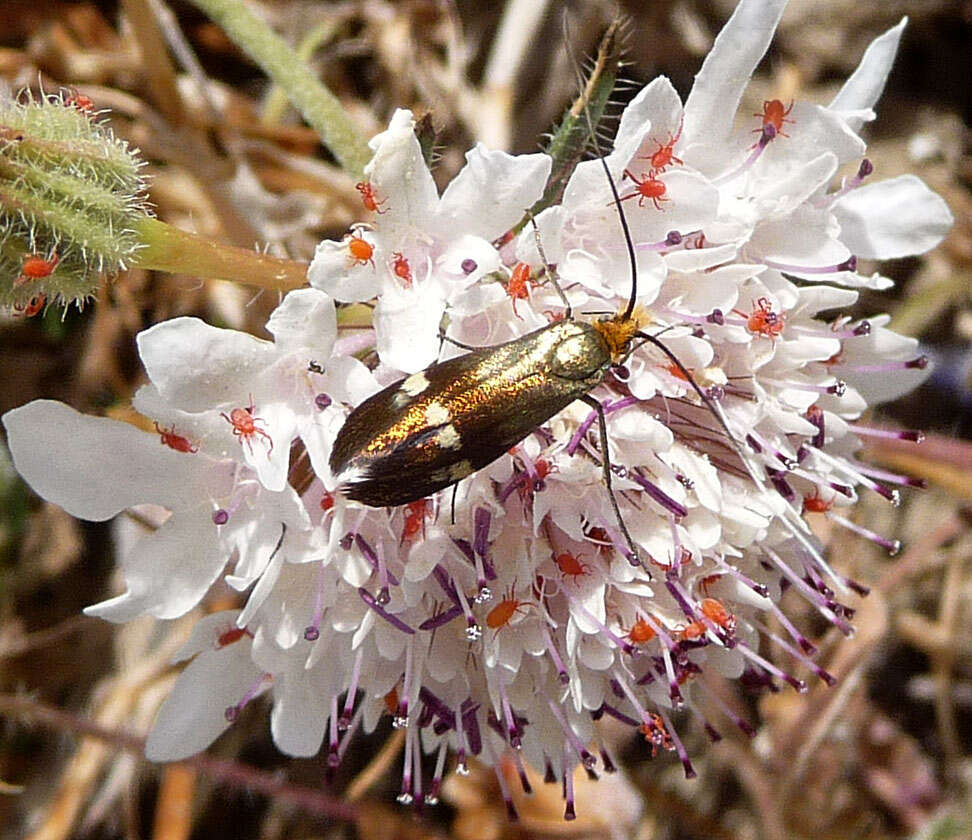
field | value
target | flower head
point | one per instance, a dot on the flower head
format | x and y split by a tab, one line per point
505	616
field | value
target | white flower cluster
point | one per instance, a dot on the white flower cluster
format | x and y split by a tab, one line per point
504	618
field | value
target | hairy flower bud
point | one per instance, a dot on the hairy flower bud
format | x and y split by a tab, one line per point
71	194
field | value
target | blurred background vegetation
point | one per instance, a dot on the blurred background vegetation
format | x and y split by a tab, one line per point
884	754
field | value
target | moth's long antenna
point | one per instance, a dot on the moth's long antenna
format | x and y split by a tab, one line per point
607	46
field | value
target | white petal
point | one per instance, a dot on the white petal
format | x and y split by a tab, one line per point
491	192
719	85
198	367
407	327
401	178
863	89
194	714
893	218
170	570
657	108
334	271
94	467
305	318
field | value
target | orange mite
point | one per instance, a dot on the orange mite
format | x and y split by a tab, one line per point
648	188
36	267
503	613
694	630
361	251
368	198
571	566
676	371
173	441
717	613
814	504
414	519
233	634
245	426
327	502
32	307
775	114
763	320
707	581
78	100
641	632
663	156
517	287
402	269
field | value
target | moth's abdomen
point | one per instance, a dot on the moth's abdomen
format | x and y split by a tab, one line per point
440	425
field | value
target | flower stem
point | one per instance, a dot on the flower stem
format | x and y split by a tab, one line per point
166	248
320	107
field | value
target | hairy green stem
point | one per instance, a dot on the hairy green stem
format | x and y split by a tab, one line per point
166	248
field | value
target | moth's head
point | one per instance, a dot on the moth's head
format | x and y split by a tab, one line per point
618	331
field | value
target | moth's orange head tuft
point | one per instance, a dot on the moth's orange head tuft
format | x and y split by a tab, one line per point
618	332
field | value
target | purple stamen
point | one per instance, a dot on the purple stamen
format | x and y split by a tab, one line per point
850	264
345	720
512	731
233	712
468	266
912	435
333	759
441	619
376	563
562	675
448	585
679	747
767	135
717	317
474	631
586	758
433	797
891	546
609	765
569	812
370	600
322	401
811	595
890	477
673	239
796	653
658	495
405	797
220	516
618	715
768	666
471	725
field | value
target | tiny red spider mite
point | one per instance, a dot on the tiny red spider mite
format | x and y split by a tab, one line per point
502	614
641	632
360	250
775	114
173	441
649	188
245	426
517	286
36	267
368	197
663	156
78	100
763	320
571	566
402	269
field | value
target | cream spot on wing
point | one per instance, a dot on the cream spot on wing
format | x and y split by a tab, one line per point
415	384
437	414
448	437
460	470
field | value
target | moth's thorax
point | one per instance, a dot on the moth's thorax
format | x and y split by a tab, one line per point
575	350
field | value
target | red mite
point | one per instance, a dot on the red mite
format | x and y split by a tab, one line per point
663	156
775	114
36	267
814	504
360	250
245	426
571	566
233	634
517	287
173	441
503	612
402	269
648	188
763	320
415	513
641	632
32	307
78	100
368	197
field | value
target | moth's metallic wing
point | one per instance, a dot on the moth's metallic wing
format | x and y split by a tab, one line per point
436	427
